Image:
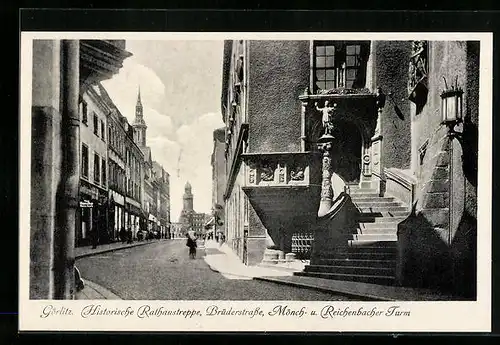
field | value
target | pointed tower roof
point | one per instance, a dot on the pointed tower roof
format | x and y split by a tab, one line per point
187	186
139	103
139	118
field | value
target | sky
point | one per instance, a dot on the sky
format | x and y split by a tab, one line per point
180	84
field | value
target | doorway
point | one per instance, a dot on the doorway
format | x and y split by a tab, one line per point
347	151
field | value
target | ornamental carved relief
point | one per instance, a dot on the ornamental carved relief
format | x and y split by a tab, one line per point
267	172
297	173
417	73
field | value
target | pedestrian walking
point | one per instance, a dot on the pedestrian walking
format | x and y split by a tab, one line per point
123	235
129	235
191	243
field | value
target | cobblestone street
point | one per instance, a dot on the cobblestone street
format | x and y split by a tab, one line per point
163	271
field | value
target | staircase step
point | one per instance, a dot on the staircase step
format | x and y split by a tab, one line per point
376	255
362	198
378	231
369	218
354	270
375	237
382	280
390	224
381	255
371	242
357	262
379	203
389	210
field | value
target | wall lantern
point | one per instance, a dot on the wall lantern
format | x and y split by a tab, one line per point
451	106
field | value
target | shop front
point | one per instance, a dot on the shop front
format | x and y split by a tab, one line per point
134	218
93	215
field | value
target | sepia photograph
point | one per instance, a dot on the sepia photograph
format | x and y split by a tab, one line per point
254	177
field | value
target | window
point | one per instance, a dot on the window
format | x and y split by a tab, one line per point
103	131
103	167
83	110
96	125
340	64
85	161
97	171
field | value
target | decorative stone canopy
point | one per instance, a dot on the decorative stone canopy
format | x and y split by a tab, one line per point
100	60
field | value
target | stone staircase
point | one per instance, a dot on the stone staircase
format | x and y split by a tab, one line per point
370	255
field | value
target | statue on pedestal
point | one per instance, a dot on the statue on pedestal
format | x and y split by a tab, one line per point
327	117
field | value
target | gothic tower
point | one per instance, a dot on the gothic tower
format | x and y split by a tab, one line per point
188	198
139	123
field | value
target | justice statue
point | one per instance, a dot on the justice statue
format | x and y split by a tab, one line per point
327	117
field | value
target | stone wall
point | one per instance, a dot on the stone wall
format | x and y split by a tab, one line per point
45	165
390	60
279	73
438	242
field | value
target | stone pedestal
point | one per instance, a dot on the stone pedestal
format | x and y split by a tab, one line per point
273	256
289	257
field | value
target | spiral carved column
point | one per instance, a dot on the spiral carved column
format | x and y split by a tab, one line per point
327	192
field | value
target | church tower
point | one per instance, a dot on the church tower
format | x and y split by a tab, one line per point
139	123
188	198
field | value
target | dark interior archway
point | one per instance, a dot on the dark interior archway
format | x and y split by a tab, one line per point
347	149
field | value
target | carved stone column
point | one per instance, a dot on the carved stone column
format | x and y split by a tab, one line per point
327	192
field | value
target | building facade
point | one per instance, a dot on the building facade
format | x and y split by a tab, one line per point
116	165
348	148
218	182
150	204
94	195
163	179
177	231
134	165
63	70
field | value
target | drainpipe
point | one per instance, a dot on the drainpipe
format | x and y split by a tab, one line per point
68	190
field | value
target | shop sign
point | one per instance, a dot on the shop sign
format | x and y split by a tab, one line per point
86	204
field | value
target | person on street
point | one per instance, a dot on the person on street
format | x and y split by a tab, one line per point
129	235
123	235
191	243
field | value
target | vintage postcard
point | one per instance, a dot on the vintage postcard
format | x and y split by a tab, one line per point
255	182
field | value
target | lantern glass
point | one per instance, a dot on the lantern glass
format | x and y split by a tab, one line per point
451	108
459	107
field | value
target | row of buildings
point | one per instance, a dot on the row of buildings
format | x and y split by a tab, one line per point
121	186
352	152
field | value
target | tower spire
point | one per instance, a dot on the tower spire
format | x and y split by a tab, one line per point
139	123
139	103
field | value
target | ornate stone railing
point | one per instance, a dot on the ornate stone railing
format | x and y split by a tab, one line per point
281	169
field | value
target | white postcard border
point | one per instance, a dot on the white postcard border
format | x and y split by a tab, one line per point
424	316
